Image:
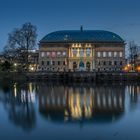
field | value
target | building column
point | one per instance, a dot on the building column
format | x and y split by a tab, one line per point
93	64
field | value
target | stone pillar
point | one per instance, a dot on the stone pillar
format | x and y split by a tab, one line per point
69	52
93	64
84	52
70	65
78	53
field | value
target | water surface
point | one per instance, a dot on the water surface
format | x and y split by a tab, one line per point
69	111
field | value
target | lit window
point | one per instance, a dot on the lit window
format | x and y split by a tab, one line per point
120	54
115	54
53	54
104	54
74	51
81	52
42	54
88	52
98	54
64	53
48	54
109	54
58	53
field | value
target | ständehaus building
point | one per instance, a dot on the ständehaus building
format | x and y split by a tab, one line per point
81	50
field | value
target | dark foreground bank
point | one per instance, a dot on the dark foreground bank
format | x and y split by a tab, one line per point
70	76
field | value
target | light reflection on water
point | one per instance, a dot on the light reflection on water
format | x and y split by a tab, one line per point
29	109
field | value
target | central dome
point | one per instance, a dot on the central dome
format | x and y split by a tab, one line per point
82	36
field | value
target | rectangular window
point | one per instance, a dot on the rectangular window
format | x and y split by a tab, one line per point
64	63
115	63
104	54
48	54
48	62
74	52
110	62
109	54
42	54
42	62
53	54
81	51
53	62
64	53
98	54
58	54
104	63
120	54
58	62
115	54
88	52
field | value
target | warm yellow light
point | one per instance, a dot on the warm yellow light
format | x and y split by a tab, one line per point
126	68
32	68
138	68
15	90
128	65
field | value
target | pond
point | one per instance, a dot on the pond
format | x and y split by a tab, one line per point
69	111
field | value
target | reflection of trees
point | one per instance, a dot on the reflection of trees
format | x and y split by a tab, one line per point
72	103
133	91
18	102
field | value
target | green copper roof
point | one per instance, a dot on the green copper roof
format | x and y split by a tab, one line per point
82	36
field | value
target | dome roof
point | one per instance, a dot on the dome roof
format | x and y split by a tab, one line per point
82	36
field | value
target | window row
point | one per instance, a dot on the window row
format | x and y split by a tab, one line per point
79	45
51	69
53	63
110	63
109	54
109	69
53	54
81	52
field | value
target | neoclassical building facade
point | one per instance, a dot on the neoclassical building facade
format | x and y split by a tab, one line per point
81	50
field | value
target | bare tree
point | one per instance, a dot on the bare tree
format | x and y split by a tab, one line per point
20	41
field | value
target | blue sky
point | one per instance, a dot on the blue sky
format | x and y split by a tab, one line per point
119	16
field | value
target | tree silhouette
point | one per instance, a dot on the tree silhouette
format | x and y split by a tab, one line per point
20	41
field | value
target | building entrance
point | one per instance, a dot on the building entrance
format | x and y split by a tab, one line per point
81	66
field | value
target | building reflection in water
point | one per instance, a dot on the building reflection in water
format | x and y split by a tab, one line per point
81	103
66	103
134	92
